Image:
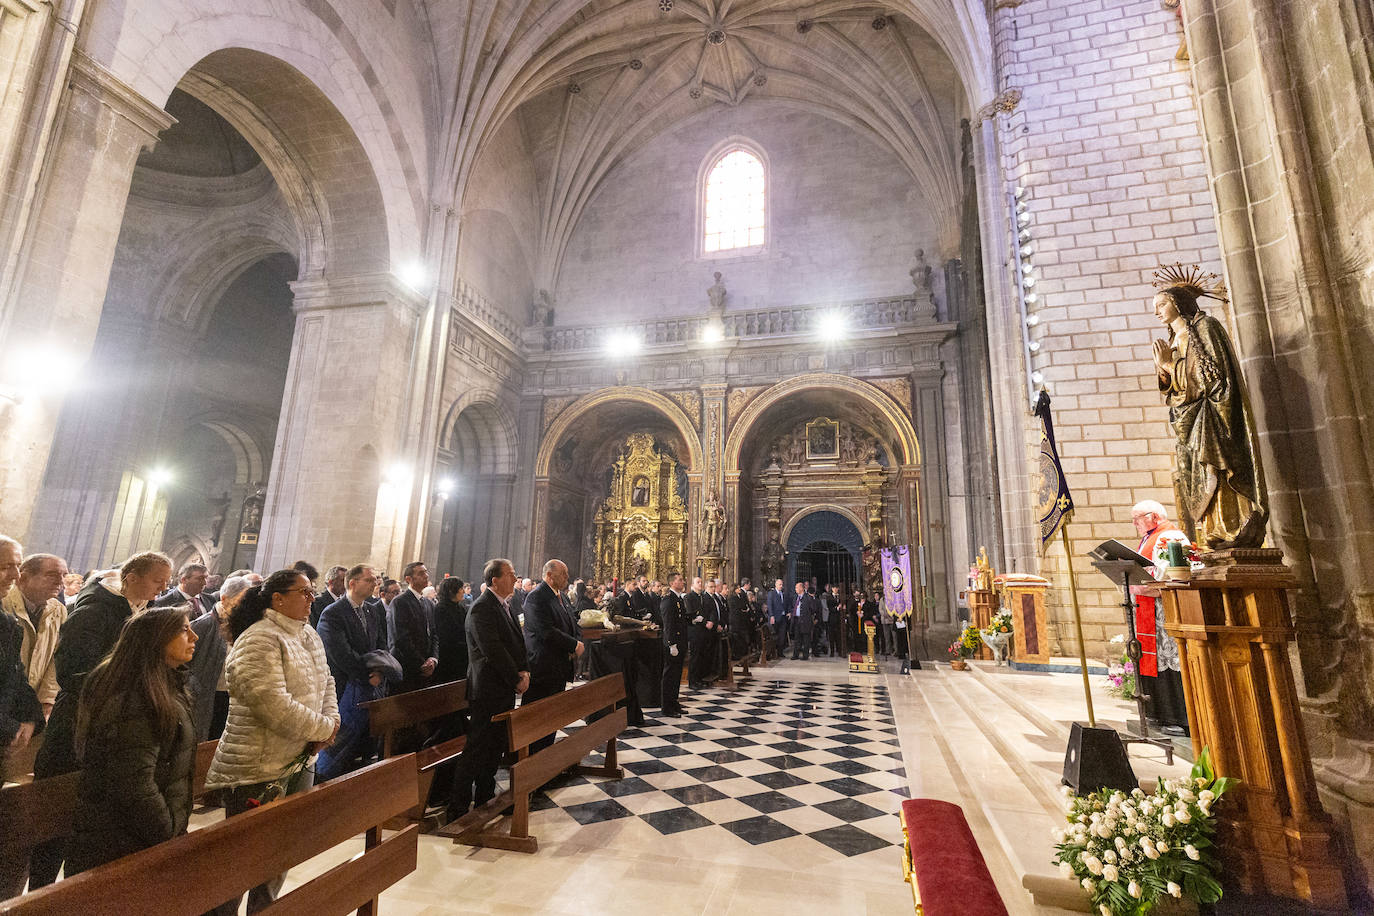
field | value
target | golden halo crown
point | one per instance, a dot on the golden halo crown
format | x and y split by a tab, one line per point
1192	278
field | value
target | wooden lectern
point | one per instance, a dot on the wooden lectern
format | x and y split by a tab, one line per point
1233	626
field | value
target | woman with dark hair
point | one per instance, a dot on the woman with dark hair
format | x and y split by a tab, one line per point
136	742
282	704
93	625
450	618
1217	484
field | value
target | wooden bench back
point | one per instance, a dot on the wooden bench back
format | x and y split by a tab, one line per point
543	717
45	809
405	709
193	873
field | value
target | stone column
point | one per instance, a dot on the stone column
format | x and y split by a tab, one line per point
1284	94
341	422
713	438
51	304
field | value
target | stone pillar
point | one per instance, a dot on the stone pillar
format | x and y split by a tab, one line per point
51	304
341	480
1283	91
713	438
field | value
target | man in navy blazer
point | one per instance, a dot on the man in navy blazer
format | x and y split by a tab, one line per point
411	626
551	638
498	670
673	610
777	616
347	634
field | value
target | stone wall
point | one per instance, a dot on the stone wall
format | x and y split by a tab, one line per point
845	220
1105	141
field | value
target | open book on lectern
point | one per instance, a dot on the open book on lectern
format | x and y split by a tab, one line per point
1115	550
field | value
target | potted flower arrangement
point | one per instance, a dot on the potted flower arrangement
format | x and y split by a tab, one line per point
968	642
1131	852
1121	681
997	636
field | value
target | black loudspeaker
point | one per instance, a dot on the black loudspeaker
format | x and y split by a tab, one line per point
1096	759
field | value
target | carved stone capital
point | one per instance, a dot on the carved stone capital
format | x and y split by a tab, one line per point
91	78
1005	101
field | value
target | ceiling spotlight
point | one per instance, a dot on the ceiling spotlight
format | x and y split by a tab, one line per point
712	333
1023	218
1034	346
830	326
1038	377
1022	206
1032	320
1032	298
1027	251
413	274
1020	192
1024	235
1028	281
444	487
621	343
160	477
1027	267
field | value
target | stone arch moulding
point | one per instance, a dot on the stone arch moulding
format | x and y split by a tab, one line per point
648	397
249	466
880	400
324	173
492	420
189	293
859	524
708	163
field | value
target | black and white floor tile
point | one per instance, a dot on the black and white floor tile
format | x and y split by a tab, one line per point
772	761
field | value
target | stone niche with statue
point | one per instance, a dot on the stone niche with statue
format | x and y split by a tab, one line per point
641	526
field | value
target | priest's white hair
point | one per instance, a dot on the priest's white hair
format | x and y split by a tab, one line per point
1149	505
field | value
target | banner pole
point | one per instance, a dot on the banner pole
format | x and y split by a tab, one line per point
1078	624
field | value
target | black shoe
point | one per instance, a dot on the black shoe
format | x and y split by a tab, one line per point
695	685
672	713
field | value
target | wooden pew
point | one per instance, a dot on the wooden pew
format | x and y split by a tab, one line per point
45	809
193	873
941	862
527	724
390	715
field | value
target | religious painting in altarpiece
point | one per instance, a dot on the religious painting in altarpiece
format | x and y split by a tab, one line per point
641	525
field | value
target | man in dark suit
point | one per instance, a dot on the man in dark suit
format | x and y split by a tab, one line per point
498	670
740	625
190	585
348	635
701	622
411	626
551	639
674	612
776	612
334	585
644	602
804	611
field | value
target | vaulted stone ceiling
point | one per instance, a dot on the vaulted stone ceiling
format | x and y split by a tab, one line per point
592	88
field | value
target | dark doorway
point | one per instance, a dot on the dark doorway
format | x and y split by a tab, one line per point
828	564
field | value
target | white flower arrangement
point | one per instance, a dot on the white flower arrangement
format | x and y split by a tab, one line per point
1130	851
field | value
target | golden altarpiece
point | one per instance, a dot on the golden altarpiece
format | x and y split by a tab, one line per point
641	527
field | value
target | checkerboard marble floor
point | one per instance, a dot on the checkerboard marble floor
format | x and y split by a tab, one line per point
817	764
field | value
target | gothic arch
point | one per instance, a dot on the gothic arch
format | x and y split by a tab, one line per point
480	433
660	403
881	402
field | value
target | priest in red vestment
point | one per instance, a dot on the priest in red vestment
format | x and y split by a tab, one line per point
1159	677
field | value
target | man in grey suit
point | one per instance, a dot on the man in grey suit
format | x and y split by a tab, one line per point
803	612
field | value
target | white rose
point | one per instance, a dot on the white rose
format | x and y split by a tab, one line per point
1206	795
1109	855
1120	843
1104	909
1133	889
1162	846
1146	843
1168	818
1137	792
1094	865
1183	817
1065	869
1191	852
1109	873
1152	853
1174	890
1200	782
1088	885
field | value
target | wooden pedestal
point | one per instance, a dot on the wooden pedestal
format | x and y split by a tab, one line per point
1233	626
982	604
1024	596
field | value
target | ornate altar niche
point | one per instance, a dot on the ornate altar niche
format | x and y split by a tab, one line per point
641	526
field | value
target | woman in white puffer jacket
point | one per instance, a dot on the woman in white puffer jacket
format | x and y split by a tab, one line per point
282	705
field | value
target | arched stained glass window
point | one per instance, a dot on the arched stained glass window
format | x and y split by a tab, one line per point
735	203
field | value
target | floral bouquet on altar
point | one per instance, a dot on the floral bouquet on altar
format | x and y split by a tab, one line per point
967	643
1129	852
1000	623
1121	681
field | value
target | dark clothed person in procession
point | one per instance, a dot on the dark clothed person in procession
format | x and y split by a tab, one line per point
136	743
551	639
498	671
673	610
410	622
